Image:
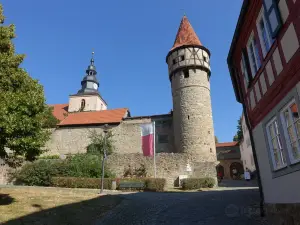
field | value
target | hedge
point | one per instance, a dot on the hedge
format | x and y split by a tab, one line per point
39	172
81	182
151	184
155	184
195	183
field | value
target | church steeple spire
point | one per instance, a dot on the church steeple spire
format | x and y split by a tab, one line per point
90	84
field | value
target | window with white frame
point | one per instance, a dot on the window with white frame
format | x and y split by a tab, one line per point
264	33
291	124
273	16
253	54
275	145
244	71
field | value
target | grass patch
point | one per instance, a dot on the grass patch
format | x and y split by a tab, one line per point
40	205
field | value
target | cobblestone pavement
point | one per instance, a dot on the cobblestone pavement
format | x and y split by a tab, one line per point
222	207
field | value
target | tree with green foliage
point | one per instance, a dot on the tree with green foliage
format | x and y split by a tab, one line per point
216	140
23	112
239	134
99	141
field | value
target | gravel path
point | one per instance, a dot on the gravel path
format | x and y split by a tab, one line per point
227	206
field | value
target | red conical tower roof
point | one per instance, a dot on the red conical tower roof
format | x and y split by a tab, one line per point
186	35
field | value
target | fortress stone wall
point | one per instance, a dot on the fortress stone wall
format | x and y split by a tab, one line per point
126	136
128	149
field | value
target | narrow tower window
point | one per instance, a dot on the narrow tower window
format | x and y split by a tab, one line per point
188	117
186	73
181	58
174	61
82	105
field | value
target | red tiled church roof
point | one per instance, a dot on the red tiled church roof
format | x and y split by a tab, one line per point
186	35
227	144
95	117
60	111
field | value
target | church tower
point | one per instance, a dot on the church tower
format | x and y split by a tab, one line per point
88	97
189	73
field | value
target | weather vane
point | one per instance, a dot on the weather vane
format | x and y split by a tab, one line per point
183	11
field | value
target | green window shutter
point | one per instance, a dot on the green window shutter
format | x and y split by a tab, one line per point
273	16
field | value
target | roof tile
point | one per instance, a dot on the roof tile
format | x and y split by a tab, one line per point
186	35
95	117
60	111
227	144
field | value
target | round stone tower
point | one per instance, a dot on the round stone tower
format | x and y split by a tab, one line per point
189	73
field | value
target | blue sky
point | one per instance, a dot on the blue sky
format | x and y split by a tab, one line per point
131	40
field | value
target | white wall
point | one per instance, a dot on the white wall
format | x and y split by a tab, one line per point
92	103
246	148
279	186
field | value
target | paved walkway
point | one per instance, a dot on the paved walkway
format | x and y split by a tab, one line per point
232	206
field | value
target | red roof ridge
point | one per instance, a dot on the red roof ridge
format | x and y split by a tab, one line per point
98	110
58	104
186	35
95	117
227	144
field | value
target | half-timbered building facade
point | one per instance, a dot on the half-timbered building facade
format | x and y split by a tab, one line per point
264	63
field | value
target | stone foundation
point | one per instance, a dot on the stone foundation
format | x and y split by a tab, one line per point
168	165
283	214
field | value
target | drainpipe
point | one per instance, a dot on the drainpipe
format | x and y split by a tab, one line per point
261	193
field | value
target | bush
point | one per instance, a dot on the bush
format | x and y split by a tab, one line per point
150	184
155	184
81	182
39	173
49	157
99	141
86	165
195	183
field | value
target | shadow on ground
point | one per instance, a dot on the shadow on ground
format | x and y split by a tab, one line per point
84	212
238	183
5	199
207	207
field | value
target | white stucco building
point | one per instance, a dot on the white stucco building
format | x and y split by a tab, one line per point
246	148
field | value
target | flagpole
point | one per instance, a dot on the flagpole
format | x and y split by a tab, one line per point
154	152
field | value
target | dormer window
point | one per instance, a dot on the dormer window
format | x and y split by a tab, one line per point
82	105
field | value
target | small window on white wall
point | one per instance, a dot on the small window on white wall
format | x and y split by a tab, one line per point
264	33
82	105
253	54
291	123
275	145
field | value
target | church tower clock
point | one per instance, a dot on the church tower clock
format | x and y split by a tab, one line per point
88	97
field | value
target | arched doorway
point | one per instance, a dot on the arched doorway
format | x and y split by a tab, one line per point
236	170
220	171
